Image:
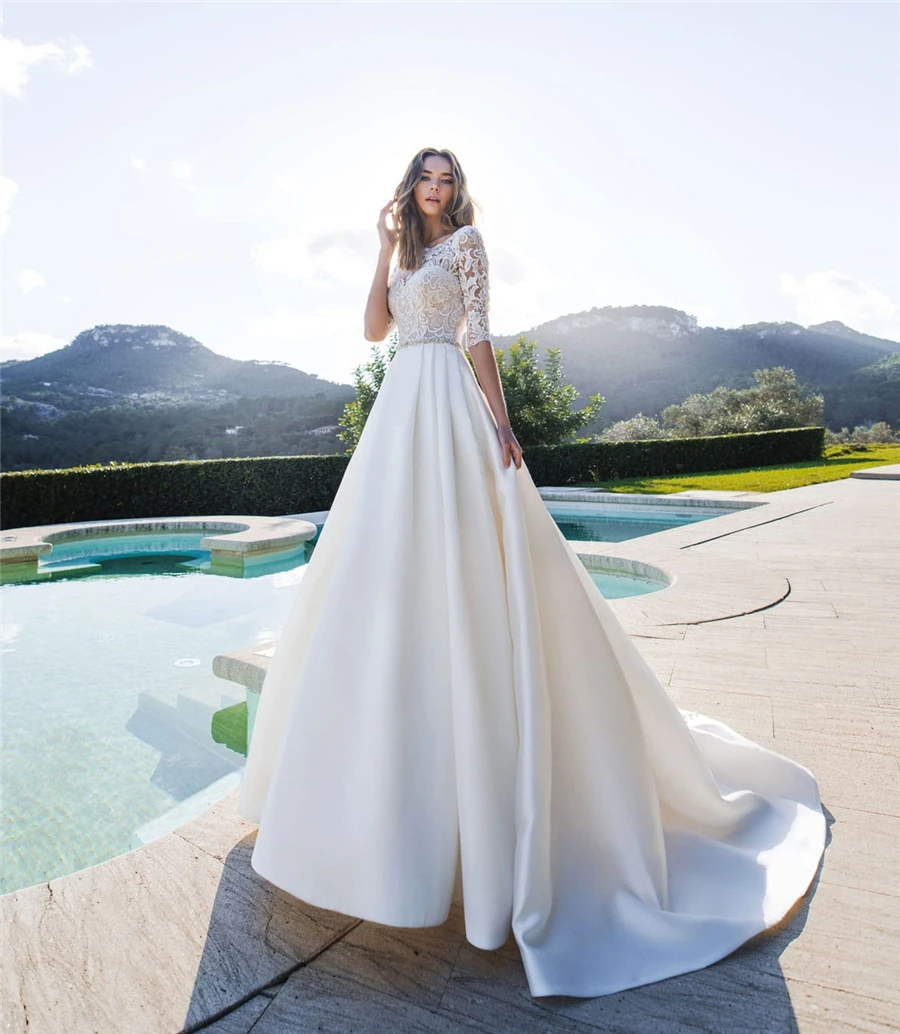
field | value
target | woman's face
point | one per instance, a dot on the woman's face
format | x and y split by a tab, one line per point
434	191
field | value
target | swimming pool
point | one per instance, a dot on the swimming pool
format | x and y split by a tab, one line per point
108	699
616	585
109	694
621	518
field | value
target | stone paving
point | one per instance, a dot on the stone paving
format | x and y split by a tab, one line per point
182	935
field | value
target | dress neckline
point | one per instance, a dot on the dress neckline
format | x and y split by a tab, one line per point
429	247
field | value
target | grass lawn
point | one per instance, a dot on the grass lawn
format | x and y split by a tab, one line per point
839	461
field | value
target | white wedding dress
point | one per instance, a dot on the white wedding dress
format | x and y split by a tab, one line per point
451	689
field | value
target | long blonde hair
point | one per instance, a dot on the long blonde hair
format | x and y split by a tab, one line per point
408	219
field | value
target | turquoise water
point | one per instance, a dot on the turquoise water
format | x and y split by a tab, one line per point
108	697
617	522
618	586
108	690
150	553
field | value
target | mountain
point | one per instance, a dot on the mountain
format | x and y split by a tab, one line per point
642	358
835	328
146	393
152	363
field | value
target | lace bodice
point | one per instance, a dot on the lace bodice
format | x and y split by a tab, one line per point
447	298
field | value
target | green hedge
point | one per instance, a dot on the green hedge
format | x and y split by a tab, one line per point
610	461
298	484
195	488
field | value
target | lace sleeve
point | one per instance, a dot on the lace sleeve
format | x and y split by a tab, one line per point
472	270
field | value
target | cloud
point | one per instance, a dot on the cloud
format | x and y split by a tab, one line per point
17	59
8	190
140	164
831	295
81	59
28	345
30	279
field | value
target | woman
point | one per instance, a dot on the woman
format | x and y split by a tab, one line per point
452	694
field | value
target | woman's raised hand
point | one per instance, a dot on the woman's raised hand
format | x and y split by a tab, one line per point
386	234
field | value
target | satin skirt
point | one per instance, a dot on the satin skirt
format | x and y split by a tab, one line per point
452	695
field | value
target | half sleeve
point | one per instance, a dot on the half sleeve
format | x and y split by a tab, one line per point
472	271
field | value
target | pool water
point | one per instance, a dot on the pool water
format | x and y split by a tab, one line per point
618	586
107	705
618	522
109	694
163	552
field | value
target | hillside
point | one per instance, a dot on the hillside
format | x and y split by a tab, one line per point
643	358
144	393
868	394
151	363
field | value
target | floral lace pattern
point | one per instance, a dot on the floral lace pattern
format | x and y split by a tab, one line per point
447	299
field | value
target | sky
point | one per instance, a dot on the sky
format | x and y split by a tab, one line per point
219	167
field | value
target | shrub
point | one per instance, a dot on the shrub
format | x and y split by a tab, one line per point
879	433
636	429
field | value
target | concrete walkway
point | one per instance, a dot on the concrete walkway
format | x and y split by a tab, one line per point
182	935
886	472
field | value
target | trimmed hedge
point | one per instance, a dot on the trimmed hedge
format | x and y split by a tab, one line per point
277	485
658	457
195	488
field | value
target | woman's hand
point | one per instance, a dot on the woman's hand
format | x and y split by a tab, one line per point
386	234
509	446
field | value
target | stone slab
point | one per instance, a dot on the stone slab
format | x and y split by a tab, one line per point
153	940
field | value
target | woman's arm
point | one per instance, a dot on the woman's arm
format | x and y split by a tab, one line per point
474	278
485	364
378	319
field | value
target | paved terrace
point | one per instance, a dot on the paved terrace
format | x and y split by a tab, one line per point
182	935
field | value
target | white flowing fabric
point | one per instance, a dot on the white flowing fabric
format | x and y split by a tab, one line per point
451	689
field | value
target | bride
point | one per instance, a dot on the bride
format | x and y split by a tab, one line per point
453	700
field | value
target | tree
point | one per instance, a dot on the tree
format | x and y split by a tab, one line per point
367	380
879	433
638	428
775	401
538	403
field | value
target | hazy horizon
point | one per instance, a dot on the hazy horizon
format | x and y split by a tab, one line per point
219	168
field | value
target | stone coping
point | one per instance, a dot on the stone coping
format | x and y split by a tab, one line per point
232	537
246	666
171	935
699	498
